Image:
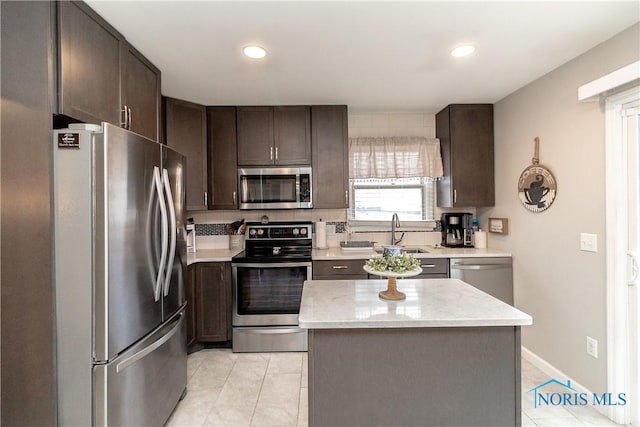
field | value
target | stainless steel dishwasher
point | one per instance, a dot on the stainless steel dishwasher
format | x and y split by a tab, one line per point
491	275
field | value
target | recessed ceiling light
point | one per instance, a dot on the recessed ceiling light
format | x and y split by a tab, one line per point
255	52
463	50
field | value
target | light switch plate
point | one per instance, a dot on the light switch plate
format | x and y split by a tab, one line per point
592	347
588	242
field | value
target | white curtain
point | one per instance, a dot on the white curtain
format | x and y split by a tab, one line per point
394	157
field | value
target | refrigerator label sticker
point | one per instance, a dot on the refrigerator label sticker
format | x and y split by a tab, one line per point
68	140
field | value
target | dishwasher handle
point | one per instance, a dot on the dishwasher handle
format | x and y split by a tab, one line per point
479	266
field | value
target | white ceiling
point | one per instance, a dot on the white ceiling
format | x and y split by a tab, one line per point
372	55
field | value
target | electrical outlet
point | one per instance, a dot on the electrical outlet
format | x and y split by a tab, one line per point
592	347
588	242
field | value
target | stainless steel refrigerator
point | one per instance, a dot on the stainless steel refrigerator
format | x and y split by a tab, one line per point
120	260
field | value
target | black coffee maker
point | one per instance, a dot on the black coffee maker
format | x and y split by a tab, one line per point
456	230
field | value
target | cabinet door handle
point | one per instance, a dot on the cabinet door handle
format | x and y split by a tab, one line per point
221	278
428	266
340	267
234	197
130	118
271	153
125	118
276	153
206	199
455	196
346	197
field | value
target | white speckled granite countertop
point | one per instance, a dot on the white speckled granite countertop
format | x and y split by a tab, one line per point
440	252
222	255
211	255
330	304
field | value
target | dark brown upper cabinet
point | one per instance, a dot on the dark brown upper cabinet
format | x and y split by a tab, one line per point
186	132
274	136
223	160
88	65
101	77
330	156
141	94
255	136
466	137
292	135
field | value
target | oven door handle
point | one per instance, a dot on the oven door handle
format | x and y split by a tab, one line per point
272	264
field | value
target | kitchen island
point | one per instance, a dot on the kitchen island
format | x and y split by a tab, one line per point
448	355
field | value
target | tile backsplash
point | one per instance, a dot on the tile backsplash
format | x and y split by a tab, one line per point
212	227
222	229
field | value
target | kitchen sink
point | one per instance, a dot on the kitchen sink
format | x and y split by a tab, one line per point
407	250
415	251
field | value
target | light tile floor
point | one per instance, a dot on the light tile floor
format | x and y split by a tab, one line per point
270	389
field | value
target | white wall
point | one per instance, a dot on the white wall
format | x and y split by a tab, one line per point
560	286
392	124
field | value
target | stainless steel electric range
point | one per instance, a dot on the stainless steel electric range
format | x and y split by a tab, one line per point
267	287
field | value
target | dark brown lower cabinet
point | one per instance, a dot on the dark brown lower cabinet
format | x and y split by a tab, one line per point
433	268
342	269
213	302
190	293
351	269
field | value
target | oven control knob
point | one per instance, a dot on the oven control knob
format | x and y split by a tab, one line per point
295	231
260	231
252	232
303	231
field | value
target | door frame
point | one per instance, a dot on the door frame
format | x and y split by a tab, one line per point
616	200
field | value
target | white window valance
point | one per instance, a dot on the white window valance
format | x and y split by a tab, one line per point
394	157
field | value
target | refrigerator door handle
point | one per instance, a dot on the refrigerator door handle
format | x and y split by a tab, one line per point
148	350
174	231
164	235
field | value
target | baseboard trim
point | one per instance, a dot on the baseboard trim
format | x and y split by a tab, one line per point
554	372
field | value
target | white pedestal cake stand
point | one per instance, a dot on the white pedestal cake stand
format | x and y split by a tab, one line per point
392	293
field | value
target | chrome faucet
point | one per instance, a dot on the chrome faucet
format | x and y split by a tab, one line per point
395	222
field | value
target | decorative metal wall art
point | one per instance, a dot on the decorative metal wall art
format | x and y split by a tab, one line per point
537	187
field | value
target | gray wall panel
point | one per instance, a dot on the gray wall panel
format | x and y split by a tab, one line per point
414	376
27	318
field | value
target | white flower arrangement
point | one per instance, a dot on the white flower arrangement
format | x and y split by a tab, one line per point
395	264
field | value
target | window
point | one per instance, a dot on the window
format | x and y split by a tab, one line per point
393	175
378	199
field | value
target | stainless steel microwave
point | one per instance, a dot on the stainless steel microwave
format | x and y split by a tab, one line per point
275	188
